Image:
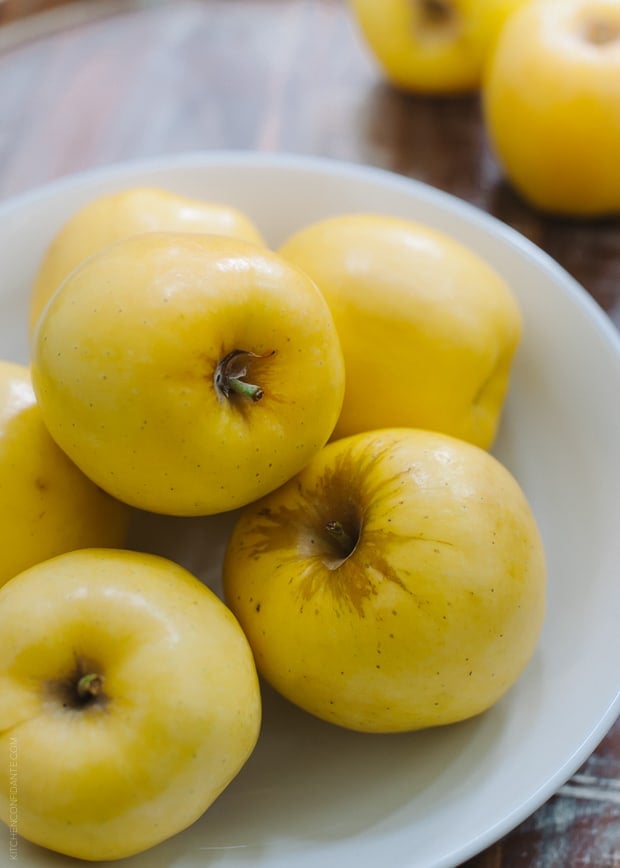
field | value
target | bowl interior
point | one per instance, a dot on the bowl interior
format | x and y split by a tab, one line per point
314	794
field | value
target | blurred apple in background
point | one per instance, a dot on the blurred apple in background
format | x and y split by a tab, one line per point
551	101
432	46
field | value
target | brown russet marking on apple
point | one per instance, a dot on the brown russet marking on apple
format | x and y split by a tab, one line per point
489	380
331	531
231	370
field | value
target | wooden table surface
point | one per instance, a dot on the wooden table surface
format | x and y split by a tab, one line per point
100	81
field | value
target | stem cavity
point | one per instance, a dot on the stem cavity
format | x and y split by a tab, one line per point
436	20
231	370
79	690
437	12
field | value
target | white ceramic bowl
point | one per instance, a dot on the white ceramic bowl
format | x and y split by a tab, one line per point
315	795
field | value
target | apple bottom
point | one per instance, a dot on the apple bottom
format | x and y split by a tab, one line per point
397	583
131	700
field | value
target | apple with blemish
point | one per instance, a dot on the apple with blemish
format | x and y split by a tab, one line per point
398	582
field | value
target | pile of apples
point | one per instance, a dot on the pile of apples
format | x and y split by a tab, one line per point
547	72
385	572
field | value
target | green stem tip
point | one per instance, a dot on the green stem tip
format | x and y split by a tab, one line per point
230	372
89	685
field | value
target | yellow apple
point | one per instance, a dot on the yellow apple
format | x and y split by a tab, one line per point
551	101
117	215
398	582
188	374
130	700
428	329
432	46
47	505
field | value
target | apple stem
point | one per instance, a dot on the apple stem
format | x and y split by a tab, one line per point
249	390
89	685
231	370
344	540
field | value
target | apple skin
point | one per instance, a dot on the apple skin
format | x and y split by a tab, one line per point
178	716
47	505
127	354
551	106
425	610
433	47
428	329
110	218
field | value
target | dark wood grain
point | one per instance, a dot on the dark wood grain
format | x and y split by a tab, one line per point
292	75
